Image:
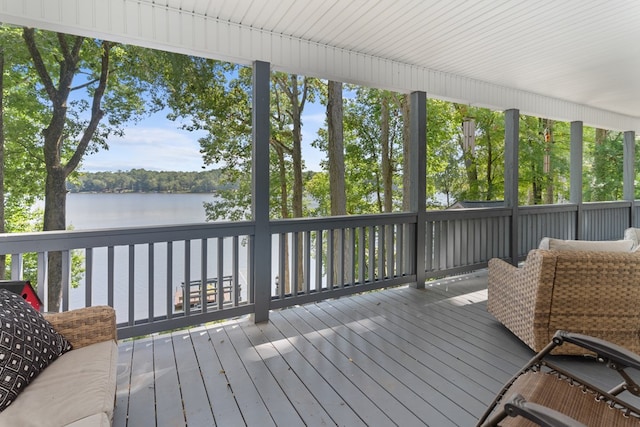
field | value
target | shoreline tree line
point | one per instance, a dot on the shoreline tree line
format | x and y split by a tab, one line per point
146	181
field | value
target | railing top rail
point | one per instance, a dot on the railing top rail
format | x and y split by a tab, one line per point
467	213
344	221
74	239
607	205
565	207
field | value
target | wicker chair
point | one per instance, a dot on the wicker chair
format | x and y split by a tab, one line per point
547	395
591	293
85	326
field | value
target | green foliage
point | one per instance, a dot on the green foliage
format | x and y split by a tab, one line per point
602	174
363	174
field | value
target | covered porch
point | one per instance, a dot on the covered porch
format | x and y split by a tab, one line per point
332	352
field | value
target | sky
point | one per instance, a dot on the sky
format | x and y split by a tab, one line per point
157	144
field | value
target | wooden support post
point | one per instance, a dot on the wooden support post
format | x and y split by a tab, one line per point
418	172
628	187
575	175
511	148
261	255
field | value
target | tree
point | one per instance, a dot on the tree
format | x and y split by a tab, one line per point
64	65
335	154
445	174
604	179
544	160
21	118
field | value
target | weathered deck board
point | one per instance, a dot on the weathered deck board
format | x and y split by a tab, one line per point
396	357
167	384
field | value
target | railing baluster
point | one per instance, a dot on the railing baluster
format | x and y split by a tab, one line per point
352	257
186	289
361	251
330	259
391	272
282	260
250	276
204	301
169	288
372	253
65	257
295	268
381	256
43	292
17	267
132	287
319	261
307	262
235	273
151	280
88	277
110	275
340	258
220	270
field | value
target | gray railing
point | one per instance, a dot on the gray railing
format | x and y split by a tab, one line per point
536	222
601	220
319	258
465	239
161	278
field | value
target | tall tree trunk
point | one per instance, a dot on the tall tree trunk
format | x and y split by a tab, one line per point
337	190
599	166
297	107
55	219
387	176
284	212
548	171
536	186
385	144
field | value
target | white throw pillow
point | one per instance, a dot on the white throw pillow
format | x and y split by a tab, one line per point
633	234
544	243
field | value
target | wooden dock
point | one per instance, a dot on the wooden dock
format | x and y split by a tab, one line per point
395	357
195	292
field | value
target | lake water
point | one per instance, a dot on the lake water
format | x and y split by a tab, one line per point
90	211
101	211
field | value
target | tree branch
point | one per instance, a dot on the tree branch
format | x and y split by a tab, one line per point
41	69
96	112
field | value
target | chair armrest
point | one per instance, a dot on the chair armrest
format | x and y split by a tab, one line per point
541	415
85	326
608	351
520	297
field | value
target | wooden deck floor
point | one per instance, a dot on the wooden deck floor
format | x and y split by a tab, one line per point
396	357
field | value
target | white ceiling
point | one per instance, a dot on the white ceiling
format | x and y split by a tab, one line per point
569	59
586	51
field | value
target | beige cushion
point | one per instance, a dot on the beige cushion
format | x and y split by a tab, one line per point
97	420
586	245
80	384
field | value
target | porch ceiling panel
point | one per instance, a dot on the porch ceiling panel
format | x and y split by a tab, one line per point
568	60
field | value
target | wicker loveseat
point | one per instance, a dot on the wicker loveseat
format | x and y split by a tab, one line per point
78	388
586	292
